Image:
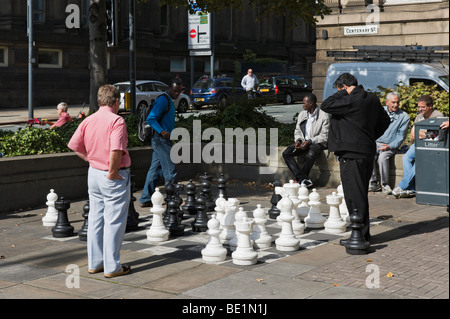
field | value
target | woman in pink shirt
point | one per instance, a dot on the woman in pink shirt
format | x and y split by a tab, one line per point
63	116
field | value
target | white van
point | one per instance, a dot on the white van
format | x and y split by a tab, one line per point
386	74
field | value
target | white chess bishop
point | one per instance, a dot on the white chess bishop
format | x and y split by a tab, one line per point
214	251
244	253
51	216
260	236
315	218
334	223
157	231
303	208
228	231
287	240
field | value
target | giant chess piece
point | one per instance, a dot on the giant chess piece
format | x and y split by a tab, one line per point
133	215
214	251
334	223
356	244
343	210
189	206
260	236
244	253
157	231
82	233
292	190
303	208
173	225
62	227
274	212
52	214
178	189
220	209
170	195
228	231
222	185
207	192
315	219
200	224
287	240
238	217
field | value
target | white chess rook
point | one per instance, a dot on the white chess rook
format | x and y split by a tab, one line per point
334	223
51	216
244	253
287	240
260	236
157	231
315	218
214	251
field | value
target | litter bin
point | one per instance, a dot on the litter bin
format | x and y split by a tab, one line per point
432	173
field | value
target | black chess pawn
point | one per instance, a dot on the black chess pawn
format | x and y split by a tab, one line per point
169	188
133	215
356	244
274	212
189	206
62	227
222	186
206	193
82	233
200	224
174	227
178	189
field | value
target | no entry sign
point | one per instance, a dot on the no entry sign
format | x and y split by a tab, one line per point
199	31
192	33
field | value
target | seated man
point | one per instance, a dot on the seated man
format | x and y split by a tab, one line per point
388	143
407	186
310	136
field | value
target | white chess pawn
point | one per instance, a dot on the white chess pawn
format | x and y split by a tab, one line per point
287	240
228	231
157	231
51	216
244	253
239	216
214	251
334	223
303	208
220	209
260	236
343	206
315	218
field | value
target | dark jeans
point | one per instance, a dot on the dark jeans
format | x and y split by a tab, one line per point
355	177
312	152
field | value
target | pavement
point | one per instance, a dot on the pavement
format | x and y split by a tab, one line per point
409	259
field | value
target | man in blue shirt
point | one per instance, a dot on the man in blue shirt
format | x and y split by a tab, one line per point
388	143
162	120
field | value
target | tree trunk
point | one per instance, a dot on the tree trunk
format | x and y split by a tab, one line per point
97	50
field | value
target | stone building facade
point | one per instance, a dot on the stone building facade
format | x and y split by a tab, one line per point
62	73
400	23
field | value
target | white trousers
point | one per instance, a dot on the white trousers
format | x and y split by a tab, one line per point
108	210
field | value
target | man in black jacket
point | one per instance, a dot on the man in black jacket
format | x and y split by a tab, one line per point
358	119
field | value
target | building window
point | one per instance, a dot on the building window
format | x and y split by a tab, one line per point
3	56
85	12
208	65
38	11
50	58
178	65
164	20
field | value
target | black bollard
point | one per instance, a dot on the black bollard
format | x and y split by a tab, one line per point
82	233
274	212
356	244
62	227
200	224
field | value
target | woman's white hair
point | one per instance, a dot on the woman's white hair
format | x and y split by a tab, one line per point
63	106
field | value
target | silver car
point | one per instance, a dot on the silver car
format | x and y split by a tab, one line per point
147	91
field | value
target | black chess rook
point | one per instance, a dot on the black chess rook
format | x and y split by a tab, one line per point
62	227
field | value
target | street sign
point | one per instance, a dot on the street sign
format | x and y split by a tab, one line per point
199	27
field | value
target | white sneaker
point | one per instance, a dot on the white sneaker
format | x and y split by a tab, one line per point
397	191
387	190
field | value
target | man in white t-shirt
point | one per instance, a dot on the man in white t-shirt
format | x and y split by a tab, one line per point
249	81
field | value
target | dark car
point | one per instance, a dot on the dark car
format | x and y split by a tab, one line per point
284	88
214	91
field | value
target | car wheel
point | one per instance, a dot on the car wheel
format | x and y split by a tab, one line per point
182	106
288	99
141	108
223	101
